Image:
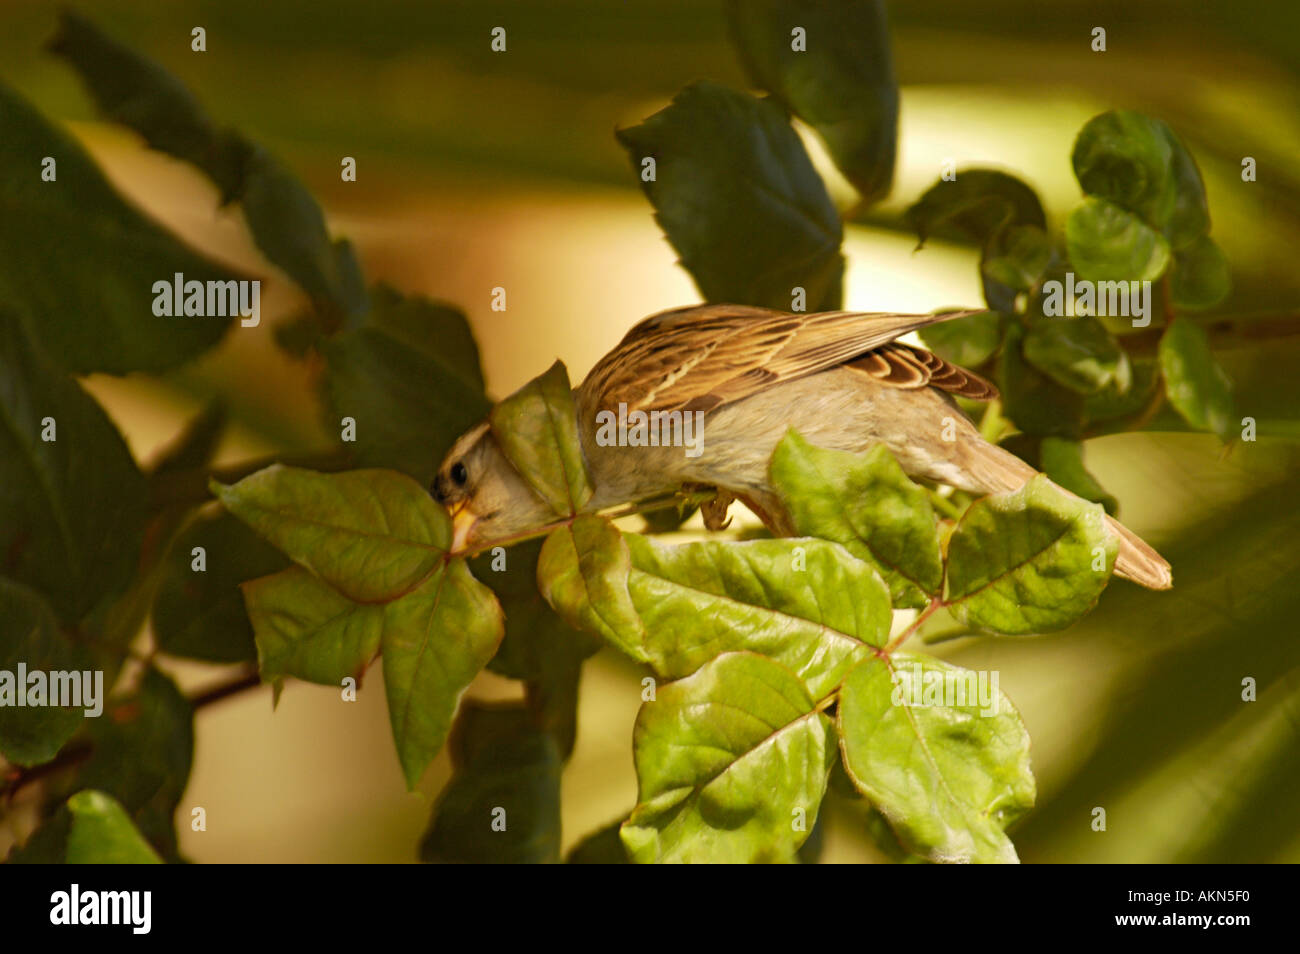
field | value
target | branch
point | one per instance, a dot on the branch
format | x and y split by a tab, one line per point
1227	332
79	751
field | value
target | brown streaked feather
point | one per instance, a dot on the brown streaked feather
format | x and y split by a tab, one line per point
701	357
903	366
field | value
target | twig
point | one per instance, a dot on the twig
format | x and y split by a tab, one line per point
934	605
79	751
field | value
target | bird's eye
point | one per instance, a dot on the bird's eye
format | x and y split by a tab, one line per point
459	474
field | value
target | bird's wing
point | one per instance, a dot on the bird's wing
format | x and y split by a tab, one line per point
903	366
701	357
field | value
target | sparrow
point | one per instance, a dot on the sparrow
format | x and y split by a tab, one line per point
839	378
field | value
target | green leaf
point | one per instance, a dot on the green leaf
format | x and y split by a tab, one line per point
435	641
71	507
81	262
1138	163
373	535
868	504
738	198
1201	276
1109	243
411	380
731	766
306	629
30	636
842	84
582	571
141	755
537	428
1028	561
502	805
102	833
286	222
967	342
194	446
1116	409
1062	460
808	604
1197	387
1037	404
949	773
1078	353
199	615
975	206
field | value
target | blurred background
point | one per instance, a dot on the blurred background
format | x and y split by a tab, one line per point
477	170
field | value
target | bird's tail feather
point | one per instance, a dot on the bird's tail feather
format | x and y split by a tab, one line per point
995	470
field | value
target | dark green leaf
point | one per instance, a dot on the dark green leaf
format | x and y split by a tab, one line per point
1062	460
537	428
102	833
731	766
668	519
47	845
81	262
284	219
539	647
1017	257
1139	164
842	84
199	615
1109	405
1028	561
738	198
373	535
967	342
868	504
1125	158
949	769
1109	243
194	446
410	378
975	206
1036	403
1078	353
601	847
1201	276
502	805
435	641
290	230
1197	387
133	90
1189	219
141	755
71	508
30	637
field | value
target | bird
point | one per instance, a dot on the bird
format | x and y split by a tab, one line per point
841	379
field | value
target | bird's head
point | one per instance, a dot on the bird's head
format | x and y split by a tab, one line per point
485	495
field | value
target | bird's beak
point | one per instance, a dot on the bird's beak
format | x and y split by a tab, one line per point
463	519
